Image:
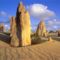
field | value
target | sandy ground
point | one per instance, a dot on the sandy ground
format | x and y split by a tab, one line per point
44	51
49	50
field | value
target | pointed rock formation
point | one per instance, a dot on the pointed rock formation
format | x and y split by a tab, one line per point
21	28
41	29
23	25
50	39
2	27
14	39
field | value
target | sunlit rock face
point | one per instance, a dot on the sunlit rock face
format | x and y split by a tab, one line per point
21	27
41	29
14	38
2	27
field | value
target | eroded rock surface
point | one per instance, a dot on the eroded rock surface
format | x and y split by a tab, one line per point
41	29
20	27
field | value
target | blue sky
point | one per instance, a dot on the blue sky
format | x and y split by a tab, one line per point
52	19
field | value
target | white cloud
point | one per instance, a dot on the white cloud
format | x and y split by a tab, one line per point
50	22
3	13
7	26
53	22
5	17
40	11
55	27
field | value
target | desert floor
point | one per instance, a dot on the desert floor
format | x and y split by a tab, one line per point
49	50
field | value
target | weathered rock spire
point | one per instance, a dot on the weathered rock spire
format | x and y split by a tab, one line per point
22	27
2	27
41	29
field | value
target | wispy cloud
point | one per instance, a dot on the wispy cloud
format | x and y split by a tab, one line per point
7	27
4	17
53	24
40	11
3	13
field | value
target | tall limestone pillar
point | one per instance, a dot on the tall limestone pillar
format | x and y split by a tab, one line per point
23	26
20	27
14	38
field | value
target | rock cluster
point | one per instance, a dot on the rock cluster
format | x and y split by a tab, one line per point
20	27
41	29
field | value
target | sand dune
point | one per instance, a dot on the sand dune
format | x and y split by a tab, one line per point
45	51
